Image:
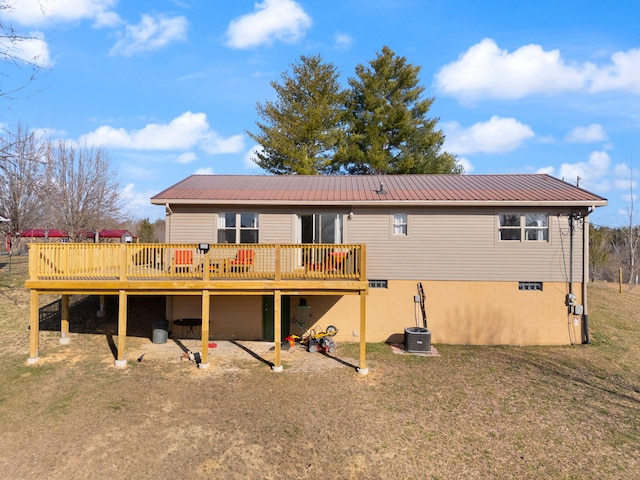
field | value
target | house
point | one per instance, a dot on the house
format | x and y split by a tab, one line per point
45	234
500	257
122	236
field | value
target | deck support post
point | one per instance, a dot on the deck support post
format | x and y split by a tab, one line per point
204	329
34	327
362	369
64	320
122	329
101	312
277	330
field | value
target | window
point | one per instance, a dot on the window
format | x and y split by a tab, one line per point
524	227
378	284
400	224
536	227
238	228
530	286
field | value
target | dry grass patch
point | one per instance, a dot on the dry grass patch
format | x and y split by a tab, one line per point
473	412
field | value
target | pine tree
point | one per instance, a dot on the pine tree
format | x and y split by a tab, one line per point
300	131
388	131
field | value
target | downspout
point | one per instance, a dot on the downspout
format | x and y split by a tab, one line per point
585	277
571	233
570	299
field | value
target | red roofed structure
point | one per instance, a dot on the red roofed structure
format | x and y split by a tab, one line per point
124	236
44	233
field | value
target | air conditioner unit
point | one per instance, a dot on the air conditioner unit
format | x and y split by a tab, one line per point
417	340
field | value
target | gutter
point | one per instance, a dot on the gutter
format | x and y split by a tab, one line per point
377	203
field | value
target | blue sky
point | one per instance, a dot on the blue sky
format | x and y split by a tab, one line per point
170	87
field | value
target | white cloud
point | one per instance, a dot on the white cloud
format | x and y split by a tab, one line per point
485	70
590	133
214	144
622	74
32	49
283	20
45	133
36	13
488	71
593	173
107	19
188	131
138	203
250	158
497	135
343	40
150	34
547	170
186	157
204	171
625	180
466	164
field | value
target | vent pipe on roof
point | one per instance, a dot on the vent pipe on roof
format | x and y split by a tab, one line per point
381	191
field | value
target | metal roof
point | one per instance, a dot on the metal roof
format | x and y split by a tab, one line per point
373	189
114	233
42	233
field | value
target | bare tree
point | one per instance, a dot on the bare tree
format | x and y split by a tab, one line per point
13	53
82	188
21	180
628	248
599	252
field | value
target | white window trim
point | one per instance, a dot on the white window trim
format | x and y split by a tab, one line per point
523	227
395	225
222	221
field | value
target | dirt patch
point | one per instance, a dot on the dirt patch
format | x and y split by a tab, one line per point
225	356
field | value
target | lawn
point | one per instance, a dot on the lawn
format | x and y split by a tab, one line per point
472	412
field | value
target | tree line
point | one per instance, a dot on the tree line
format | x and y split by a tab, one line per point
614	252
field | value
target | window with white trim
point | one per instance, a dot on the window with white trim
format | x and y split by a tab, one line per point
527	227
238	228
400	224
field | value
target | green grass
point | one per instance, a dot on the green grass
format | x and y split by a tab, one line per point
474	412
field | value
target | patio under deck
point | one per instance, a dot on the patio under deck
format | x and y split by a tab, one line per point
185	269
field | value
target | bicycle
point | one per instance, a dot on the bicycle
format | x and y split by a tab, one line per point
315	341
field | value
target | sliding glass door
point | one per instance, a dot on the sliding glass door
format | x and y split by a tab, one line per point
321	228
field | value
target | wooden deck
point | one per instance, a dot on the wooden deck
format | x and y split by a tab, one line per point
156	268
194	269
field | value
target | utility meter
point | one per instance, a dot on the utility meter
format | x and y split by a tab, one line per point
570	299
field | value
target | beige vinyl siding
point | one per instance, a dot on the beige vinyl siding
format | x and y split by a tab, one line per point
441	244
193	227
461	244
277	227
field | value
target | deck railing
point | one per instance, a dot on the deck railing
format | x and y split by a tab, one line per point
149	261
